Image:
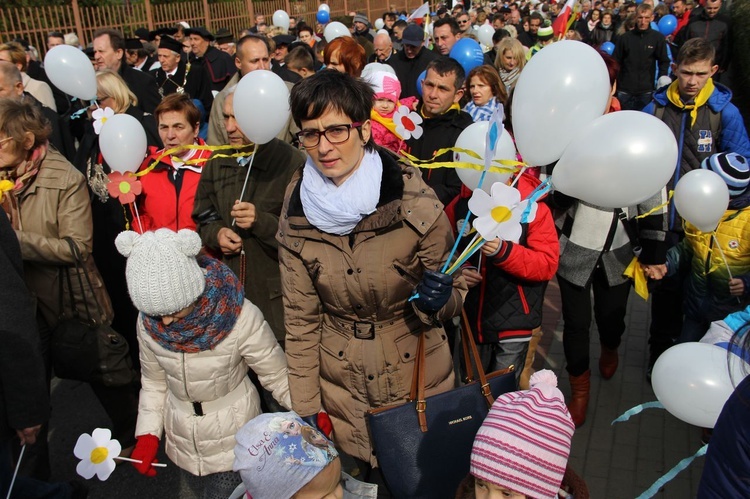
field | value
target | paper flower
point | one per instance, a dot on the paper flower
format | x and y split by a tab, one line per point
407	123
5	186
96	452
100	117
123	187
500	214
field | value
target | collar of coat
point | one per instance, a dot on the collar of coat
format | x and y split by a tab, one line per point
403	197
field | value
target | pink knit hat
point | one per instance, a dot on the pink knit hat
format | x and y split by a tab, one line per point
524	443
385	85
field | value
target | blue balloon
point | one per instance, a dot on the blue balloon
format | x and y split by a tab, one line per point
323	16
421	77
607	47
468	53
654	26
402	17
667	24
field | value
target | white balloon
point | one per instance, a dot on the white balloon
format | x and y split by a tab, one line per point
261	105
325	7
693	381
71	71
563	88
335	30
473	138
618	160
379	23
122	142
485	34
281	19
382	31
701	197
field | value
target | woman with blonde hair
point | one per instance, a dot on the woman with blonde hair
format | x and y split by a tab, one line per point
113	92
511	58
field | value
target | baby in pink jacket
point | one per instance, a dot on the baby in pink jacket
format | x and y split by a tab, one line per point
385	102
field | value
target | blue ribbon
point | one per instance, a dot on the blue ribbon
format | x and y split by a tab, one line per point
461	232
669	475
537	193
637	410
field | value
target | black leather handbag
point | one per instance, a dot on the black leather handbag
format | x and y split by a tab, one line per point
423	446
84	345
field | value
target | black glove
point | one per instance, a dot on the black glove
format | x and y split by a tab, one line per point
433	291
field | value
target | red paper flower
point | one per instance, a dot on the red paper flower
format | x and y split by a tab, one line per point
123	187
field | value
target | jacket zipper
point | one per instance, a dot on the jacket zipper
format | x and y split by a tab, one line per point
192	430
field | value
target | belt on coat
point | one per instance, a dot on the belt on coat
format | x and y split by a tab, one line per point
365	330
203	408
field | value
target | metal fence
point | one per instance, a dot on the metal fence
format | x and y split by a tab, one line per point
34	23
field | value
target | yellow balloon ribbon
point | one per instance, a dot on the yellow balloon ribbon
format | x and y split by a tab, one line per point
499	165
197	161
654	210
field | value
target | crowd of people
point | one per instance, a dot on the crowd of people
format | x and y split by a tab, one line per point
298	274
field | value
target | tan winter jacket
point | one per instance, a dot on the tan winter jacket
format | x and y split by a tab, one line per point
54	206
336	285
172	381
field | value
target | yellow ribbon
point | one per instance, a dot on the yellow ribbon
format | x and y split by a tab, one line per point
635	273
509	165
654	210
197	161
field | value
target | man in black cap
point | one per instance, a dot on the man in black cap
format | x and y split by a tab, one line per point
142	34
278	65
138	57
109	53
218	64
179	76
411	60
225	41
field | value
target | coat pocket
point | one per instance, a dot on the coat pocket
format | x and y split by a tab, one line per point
334	353
438	361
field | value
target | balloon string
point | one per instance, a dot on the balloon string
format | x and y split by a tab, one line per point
174	150
137	216
637	410
15	473
247	177
668	476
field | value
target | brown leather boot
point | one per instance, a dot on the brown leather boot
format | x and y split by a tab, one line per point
608	362
579	397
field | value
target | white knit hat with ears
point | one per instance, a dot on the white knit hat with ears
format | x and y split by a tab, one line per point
162	273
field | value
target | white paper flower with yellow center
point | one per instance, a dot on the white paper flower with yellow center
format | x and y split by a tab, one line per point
500	214
96	452
100	117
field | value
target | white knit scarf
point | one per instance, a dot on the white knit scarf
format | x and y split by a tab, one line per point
338	209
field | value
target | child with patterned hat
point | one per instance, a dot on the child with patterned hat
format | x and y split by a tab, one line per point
521	450
385	102
278	455
717	264
198	336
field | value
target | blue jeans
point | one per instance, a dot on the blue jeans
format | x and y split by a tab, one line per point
27	488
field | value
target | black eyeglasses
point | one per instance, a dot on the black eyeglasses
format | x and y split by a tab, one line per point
335	134
465	21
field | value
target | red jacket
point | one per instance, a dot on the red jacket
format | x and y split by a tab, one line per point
168	195
508	302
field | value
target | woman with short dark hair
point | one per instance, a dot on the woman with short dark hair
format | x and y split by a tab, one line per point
359	232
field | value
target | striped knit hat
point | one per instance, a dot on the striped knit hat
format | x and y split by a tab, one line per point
732	168
524	443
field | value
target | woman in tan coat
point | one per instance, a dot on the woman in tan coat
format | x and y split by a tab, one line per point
48	203
359	233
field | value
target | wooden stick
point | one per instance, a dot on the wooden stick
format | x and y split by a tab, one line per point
156	465
18	465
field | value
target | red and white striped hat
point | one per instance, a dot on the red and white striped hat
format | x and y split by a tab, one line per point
524	443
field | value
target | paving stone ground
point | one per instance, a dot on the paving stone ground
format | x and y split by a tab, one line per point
618	461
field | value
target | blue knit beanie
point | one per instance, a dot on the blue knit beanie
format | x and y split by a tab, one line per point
732	168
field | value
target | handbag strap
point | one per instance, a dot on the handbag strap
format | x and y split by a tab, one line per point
81	269
470	347
417	382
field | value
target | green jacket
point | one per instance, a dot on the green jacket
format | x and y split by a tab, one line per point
220	186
